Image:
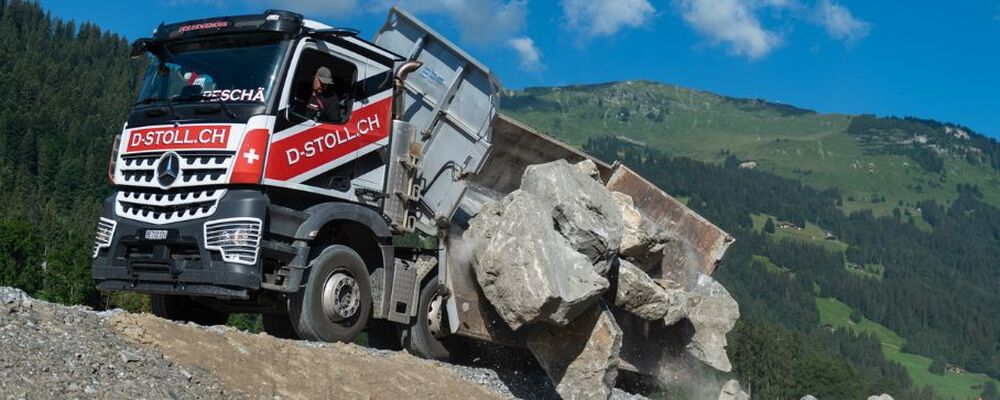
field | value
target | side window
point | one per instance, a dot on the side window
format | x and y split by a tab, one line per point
322	86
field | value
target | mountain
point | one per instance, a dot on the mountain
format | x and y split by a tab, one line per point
894	218
877	163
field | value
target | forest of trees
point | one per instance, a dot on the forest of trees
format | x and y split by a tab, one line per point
67	87
939	288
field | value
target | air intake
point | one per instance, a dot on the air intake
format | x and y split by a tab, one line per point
105	232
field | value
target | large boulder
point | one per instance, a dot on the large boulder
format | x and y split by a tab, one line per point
712	312
581	358
643	297
527	271
883	396
643	240
582	209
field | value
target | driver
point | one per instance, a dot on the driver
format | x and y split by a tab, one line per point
324	101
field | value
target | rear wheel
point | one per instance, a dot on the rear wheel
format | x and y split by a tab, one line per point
336	301
426	335
185	309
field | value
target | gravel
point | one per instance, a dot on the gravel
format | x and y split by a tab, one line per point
53	351
49	351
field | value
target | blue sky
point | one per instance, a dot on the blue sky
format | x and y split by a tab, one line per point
917	58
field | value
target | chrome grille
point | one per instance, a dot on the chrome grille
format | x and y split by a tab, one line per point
196	169
237	239
105	232
167	207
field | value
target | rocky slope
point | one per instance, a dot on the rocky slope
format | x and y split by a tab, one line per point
53	351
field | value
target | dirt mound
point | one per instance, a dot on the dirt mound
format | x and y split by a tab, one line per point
263	366
53	351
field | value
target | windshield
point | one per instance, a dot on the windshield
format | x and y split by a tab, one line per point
234	68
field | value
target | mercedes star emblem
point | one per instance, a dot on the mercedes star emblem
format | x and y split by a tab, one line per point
168	169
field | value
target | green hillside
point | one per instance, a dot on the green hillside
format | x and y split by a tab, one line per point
962	385
918	160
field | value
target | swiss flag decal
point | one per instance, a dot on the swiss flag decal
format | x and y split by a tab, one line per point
249	161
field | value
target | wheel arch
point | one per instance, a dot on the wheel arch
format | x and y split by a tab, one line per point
363	230
355	226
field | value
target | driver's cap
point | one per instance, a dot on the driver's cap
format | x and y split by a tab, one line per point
324	75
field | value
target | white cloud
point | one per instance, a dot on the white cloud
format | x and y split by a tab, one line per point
479	21
482	22
840	24
527	52
733	23
595	18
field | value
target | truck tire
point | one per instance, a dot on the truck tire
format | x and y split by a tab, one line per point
185	309
336	302
421	338
279	326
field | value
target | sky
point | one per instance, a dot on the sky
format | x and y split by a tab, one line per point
919	58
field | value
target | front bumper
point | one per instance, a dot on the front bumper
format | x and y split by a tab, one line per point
178	263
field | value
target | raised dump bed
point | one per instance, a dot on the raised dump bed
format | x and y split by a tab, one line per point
471	155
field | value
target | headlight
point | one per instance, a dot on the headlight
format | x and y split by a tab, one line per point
237	239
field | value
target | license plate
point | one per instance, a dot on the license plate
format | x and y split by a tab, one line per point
156	234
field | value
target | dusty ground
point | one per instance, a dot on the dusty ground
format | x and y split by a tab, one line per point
266	367
49	351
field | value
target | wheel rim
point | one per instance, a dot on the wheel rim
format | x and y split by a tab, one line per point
435	315
341	296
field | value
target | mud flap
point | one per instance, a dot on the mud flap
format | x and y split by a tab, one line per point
404	284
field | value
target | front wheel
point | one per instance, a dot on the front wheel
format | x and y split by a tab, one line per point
336	301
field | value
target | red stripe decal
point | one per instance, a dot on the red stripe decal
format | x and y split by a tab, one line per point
321	144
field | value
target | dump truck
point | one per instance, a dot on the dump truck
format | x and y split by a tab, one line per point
277	165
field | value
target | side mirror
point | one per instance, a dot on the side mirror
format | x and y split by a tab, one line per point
297	113
142	46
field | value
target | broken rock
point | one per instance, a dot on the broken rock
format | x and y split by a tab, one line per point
732	391
643	240
527	271
641	296
582	210
713	312
581	358
589	168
